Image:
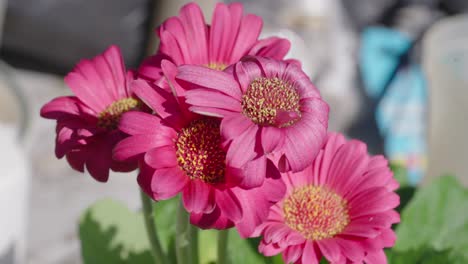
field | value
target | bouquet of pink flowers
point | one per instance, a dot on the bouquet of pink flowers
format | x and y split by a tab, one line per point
220	117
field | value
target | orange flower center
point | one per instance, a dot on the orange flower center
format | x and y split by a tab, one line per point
199	153
271	102
316	212
216	66
109	118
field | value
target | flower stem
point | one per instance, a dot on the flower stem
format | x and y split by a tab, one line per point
155	245
186	238
222	246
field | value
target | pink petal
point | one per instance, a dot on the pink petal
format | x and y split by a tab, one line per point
255	173
212	220
322	166
210	111
196	32
352	250
198	197
137	123
61	107
376	257
316	107
220	33
158	99
256	205
269	249
348	165
330	249
167	183
161	157
234	125
77	158
236	12
374	200
133	146
116	65
242	148
210	79
249	31
175	27
245	73
91	88
292	253
213	99
150	68
309	255
169	45
275	232
272	138
229	204
307	132
99	164
273	47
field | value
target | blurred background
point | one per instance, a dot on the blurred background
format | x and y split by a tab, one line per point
395	73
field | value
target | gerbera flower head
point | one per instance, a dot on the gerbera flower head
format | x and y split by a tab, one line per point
267	107
87	122
341	208
181	152
188	39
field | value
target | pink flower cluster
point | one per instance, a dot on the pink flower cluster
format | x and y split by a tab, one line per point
220	117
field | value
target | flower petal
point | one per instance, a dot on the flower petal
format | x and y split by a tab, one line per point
161	157
210	79
133	146
272	47
249	30
212	220
229	204
167	183
213	99
309	255
330	249
198	197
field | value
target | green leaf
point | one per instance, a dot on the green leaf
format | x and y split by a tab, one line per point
111	233
436	220
400	173
239	250
165	218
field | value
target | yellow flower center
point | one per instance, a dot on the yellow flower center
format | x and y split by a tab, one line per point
216	66
316	212
110	117
271	102
199	152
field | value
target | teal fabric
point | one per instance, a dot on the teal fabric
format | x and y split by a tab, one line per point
379	54
401	112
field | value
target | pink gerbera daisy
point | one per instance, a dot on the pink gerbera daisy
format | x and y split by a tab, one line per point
267	107
182	153
187	39
87	123
341	208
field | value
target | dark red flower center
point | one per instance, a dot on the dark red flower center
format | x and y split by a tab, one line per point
316	212
109	118
199	151
271	102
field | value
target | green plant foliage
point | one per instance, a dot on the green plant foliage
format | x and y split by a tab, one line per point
435	223
111	233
